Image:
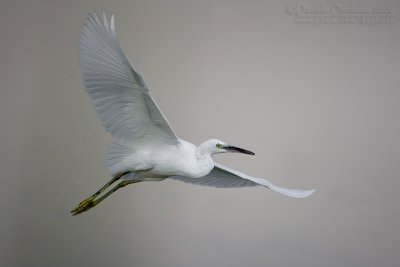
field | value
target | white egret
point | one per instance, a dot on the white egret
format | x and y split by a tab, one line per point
146	148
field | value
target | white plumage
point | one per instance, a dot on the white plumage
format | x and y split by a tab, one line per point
146	147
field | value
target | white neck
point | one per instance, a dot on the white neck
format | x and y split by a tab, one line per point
204	161
204	150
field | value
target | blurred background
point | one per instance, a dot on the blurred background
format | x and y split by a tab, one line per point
311	86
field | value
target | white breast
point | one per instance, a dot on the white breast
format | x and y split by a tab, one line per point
181	160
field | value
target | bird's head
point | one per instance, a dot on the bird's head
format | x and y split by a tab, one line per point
215	146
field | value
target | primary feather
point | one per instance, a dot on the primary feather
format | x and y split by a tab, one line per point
224	177
118	92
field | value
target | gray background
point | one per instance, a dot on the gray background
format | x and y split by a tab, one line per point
319	104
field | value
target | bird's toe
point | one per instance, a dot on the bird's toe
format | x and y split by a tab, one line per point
84	206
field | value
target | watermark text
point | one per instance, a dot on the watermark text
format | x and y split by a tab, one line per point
340	14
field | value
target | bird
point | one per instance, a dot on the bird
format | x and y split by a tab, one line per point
144	146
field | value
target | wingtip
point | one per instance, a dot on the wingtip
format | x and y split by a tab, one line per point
102	19
90	16
105	20
112	26
95	16
307	193
302	193
292	192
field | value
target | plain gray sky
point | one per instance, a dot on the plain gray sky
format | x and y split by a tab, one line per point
318	103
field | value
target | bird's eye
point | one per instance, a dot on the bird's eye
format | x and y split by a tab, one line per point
218	146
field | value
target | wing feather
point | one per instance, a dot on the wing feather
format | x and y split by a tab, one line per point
118	92
224	177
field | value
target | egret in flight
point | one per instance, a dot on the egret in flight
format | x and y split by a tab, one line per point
146	148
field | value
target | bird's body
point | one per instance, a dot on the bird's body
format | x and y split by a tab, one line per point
146	148
162	161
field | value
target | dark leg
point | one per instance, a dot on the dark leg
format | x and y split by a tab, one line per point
92	203
87	201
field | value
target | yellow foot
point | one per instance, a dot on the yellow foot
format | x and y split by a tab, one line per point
84	206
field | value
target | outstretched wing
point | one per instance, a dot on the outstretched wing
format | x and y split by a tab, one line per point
224	177
118	92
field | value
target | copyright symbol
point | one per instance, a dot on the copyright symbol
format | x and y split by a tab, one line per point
292	9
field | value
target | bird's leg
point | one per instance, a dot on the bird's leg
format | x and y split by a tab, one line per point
92	203
118	186
88	202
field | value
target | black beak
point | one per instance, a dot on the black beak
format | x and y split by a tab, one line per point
238	150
